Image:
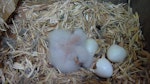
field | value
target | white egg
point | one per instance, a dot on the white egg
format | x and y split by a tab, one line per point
91	46
116	53
103	68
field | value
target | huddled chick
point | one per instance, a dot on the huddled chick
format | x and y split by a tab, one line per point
68	51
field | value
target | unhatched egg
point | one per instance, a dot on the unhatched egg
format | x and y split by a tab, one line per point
103	68
91	46
116	53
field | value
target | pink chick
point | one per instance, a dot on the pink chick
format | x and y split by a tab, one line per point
80	47
84	57
78	37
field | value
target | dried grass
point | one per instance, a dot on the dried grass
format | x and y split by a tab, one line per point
27	63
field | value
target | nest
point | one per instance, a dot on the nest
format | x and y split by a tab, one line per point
24	51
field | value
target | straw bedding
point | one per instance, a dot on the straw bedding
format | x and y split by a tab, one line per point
24	51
